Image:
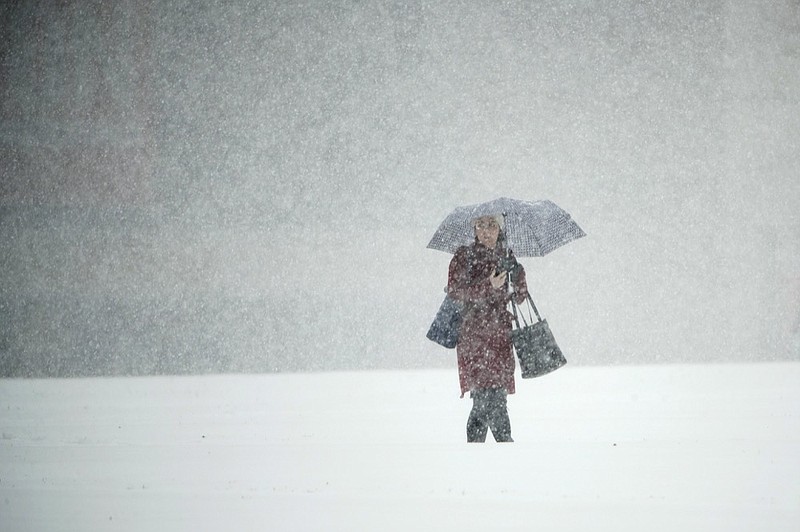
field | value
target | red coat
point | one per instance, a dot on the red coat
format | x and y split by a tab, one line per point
485	356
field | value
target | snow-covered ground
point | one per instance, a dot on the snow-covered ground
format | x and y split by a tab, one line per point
656	448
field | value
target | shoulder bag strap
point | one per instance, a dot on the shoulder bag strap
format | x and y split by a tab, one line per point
518	314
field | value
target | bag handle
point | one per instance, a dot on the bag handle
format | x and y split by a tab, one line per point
531	305
528	298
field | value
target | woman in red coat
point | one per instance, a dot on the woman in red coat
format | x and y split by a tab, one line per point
485	357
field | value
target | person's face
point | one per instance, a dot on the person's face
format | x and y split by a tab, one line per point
487	231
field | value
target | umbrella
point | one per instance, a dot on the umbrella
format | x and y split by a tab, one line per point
532	229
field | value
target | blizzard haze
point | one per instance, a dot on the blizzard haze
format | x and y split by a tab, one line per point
249	187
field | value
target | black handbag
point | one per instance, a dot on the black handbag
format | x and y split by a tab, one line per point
447	323
536	348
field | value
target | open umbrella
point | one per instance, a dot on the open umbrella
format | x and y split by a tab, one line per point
532	229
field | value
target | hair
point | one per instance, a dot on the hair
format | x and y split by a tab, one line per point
499	218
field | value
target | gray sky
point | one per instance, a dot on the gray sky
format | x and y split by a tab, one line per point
253	186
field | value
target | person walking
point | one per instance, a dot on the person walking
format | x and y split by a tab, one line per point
478	277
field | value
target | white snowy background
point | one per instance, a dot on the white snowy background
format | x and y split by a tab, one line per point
243	191
709	447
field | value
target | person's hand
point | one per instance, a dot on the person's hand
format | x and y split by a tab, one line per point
498	279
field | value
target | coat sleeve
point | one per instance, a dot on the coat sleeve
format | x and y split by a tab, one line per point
460	287
521	286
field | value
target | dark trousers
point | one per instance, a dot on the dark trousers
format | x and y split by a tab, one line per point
489	411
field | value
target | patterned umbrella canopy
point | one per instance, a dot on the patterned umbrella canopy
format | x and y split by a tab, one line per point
532	229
